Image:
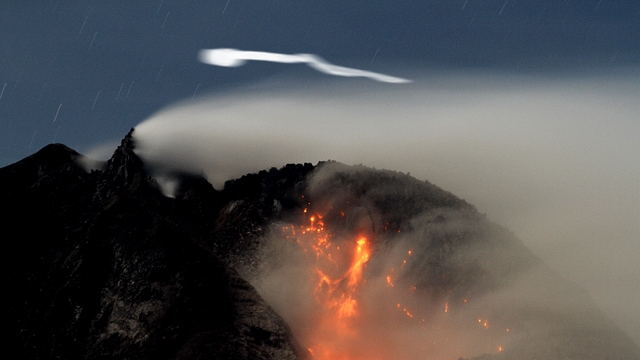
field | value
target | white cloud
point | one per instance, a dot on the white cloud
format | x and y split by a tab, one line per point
554	160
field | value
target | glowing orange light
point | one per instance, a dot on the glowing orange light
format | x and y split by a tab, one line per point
339	280
405	311
446	307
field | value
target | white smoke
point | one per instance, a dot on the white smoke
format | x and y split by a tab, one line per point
554	160
95	158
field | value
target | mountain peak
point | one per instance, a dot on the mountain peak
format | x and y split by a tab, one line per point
47	158
110	266
124	171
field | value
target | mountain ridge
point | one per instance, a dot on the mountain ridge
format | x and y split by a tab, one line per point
76	300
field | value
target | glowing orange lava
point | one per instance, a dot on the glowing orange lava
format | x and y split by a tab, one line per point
341	317
339	278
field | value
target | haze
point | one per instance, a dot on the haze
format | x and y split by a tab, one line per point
555	160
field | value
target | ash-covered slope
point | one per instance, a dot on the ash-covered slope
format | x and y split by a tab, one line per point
105	266
475	290
102	266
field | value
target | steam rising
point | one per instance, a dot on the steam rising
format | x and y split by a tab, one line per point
233	57
555	161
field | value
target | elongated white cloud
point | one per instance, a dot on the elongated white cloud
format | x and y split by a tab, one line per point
234	57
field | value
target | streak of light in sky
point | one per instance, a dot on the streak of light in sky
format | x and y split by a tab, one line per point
233	58
57	112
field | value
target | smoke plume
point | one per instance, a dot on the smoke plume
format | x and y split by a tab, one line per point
554	160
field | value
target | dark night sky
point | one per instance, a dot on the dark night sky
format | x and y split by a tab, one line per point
111	64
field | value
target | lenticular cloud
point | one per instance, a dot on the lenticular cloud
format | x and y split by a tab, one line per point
233	57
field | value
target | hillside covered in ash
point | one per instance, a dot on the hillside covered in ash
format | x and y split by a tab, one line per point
323	261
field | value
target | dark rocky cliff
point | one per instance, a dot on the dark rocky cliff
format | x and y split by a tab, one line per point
102	266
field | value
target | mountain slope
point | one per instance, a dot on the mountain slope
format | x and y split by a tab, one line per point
104	269
461	268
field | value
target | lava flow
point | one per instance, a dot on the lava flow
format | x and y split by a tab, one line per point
338	267
344	312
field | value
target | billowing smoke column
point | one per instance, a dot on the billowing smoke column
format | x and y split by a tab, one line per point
233	57
555	161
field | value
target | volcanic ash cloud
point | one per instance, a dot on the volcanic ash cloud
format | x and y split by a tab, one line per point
552	160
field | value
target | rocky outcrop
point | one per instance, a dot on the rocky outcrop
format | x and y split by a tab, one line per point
106	268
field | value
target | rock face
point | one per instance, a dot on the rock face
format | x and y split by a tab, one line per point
104	267
101	264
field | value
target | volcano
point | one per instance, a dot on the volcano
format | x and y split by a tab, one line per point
325	261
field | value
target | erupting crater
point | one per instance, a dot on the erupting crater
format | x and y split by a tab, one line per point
367	264
356	307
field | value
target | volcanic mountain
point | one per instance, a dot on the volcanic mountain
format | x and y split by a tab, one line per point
323	261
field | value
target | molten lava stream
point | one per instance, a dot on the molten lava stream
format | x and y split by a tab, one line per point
338	297
343	315
339	270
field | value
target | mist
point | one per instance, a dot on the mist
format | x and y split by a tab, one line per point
555	160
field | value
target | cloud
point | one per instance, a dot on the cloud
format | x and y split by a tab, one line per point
554	160
95	158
